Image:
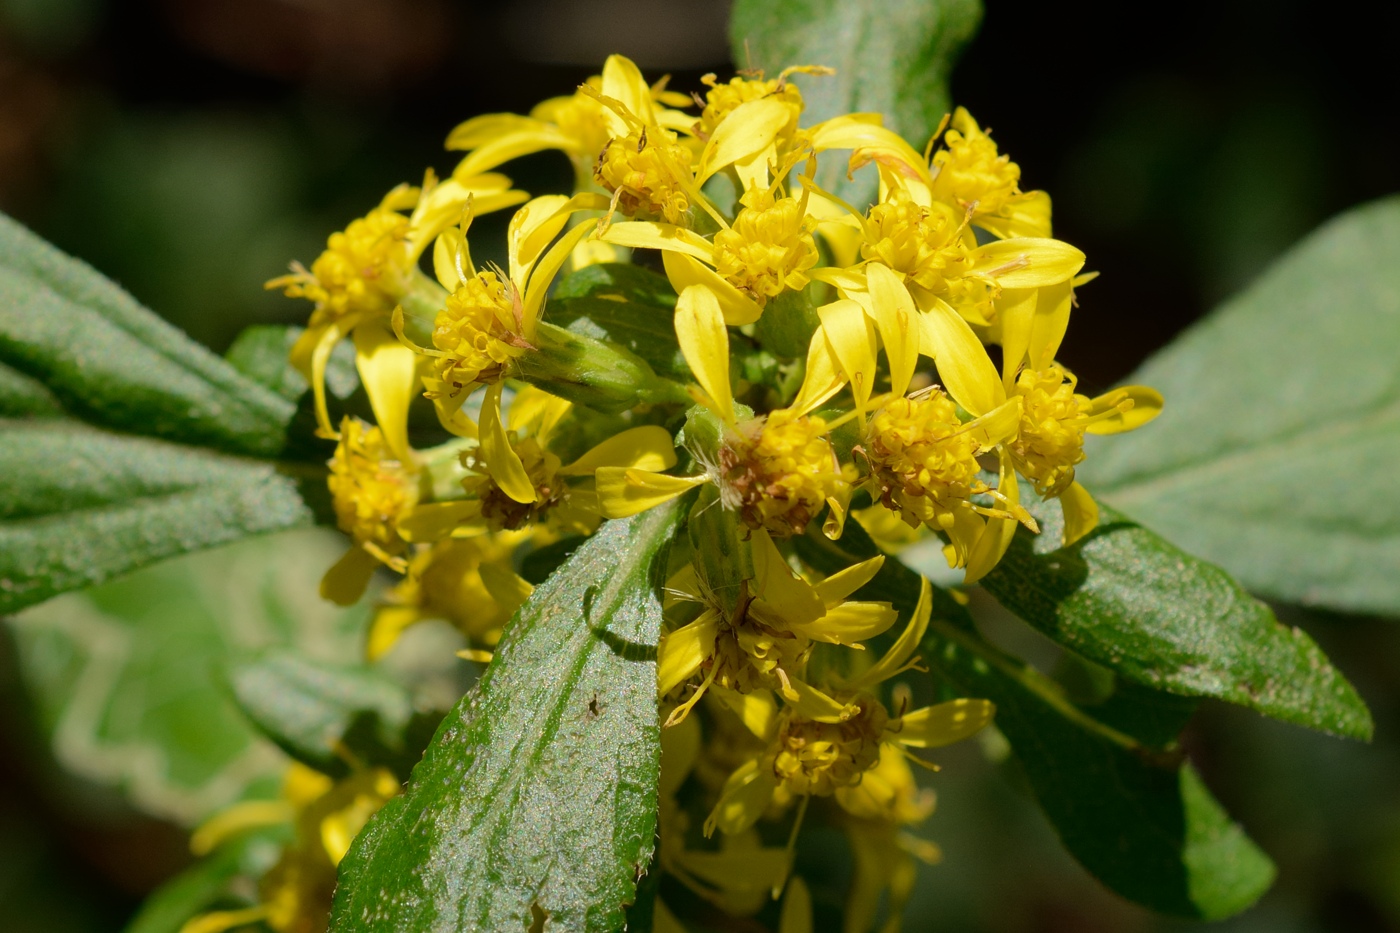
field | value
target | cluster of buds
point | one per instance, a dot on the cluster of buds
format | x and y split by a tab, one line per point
839	369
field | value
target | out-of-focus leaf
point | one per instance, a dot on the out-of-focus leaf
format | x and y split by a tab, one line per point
79	505
221	880
1125	598
113	362
260	352
191	469
891	57
323	714
1138	819
1275	456
625	304
123	677
25	397
539	790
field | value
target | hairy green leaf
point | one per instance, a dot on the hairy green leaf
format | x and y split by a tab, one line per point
891	57
111	361
318	712
80	505
539	790
1139	819
1275	456
1127	599
122	677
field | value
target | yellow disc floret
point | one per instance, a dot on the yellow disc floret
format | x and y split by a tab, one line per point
769	248
927	244
721	99
476	333
817	758
923	462
370	490
780	472
970	172
364	269
647	173
1053	420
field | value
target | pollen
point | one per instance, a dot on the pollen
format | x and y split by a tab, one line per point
476	332
817	758
369	489
646	174
365	268
768	249
1051	437
923	463
779	477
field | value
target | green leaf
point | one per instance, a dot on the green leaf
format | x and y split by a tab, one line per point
80	505
23	397
317	711
261	354
1138	819
626	305
539	790
225	877
1275	456
1125	598
111	361
122	677
891	57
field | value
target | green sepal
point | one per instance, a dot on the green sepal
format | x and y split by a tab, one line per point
592	372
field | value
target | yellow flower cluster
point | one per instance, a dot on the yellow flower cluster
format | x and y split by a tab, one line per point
889	360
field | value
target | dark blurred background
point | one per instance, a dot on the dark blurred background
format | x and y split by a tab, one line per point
190	148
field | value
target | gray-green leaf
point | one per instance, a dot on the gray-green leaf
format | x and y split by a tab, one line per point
539	790
79	505
1276	454
111	361
1127	599
891	57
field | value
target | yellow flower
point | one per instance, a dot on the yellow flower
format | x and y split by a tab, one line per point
769	249
371	491
764	641
885	801
489	318
470	582
577	125
648	174
326	816
923	465
1050	439
366	271
515	480
971	174
776	471
810	756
